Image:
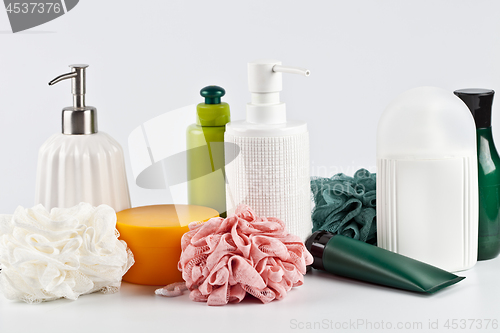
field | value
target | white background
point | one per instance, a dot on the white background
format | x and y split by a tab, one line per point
149	57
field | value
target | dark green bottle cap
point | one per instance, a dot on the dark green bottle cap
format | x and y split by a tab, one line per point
212	94
479	102
213	112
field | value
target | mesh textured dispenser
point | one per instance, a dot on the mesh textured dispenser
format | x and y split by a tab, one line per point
270	155
427	187
81	164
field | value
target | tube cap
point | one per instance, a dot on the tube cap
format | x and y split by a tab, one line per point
479	102
316	244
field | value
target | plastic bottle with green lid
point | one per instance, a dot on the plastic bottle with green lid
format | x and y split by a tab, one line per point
205	151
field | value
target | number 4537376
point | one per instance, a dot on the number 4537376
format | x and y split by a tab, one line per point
34	7
470	324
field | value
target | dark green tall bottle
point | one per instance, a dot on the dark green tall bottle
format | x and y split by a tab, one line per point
479	102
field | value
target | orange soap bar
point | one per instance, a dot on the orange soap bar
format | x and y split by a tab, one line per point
153	233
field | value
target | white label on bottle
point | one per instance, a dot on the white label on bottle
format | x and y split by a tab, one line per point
431	217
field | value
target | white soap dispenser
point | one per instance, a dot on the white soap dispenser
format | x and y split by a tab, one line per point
268	158
81	164
427	183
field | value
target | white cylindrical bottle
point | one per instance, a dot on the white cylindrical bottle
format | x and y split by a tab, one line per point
268	158
427	186
81	164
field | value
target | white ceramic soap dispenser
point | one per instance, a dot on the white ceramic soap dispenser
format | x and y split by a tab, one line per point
427	183
268	160
81	164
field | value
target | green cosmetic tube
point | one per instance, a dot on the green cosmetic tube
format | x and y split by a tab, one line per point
351	258
205	151
479	102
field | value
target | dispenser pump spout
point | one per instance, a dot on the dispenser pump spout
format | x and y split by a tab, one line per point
77	119
78	89
265	81
291	70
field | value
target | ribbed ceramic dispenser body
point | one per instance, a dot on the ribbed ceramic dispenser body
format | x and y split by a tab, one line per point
427	185
81	164
82	168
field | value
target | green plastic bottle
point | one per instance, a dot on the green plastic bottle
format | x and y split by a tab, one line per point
205	151
479	102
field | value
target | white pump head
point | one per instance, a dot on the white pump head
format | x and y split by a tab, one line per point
265	83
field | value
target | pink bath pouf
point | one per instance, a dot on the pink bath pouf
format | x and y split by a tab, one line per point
224	259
